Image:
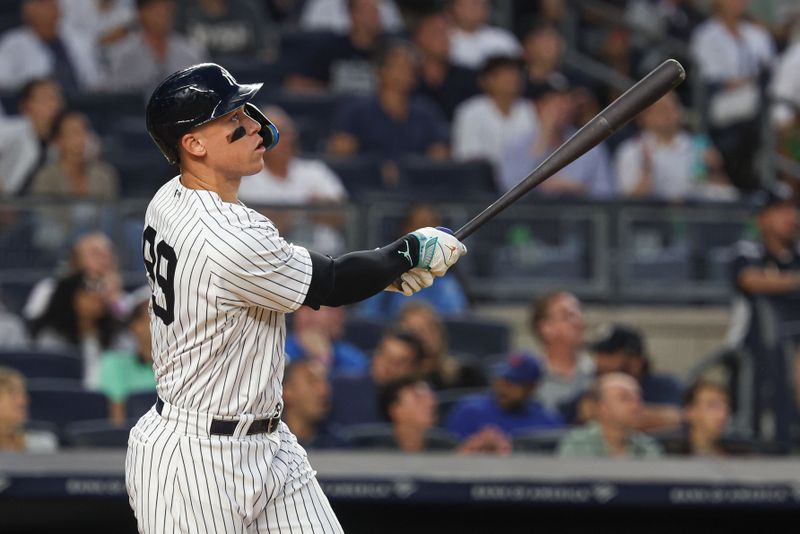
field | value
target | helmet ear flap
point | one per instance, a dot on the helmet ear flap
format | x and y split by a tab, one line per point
268	132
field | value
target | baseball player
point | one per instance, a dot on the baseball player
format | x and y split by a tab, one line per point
212	455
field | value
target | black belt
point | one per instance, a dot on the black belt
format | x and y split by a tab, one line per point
220	427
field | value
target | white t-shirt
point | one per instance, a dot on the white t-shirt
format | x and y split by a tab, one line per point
673	165
333	15
786	86
480	130
86	17
19	153
722	56
307	181
471	49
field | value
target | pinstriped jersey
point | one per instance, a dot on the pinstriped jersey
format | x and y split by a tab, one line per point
222	279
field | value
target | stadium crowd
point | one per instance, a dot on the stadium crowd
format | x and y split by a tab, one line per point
366	93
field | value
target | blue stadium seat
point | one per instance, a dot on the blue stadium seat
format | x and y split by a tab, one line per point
248	70
364	333
138	404
360	175
37	364
448	398
64	402
539	441
478	336
447	179
99	433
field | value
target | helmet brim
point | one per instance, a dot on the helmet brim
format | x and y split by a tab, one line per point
241	97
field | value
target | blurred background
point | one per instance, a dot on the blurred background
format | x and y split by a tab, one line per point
622	342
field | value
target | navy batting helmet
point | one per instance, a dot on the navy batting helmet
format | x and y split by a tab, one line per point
197	95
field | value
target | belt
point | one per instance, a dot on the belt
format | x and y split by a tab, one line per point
220	427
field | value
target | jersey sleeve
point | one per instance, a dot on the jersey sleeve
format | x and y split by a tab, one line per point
254	266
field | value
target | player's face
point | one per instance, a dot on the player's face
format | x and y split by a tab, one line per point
227	154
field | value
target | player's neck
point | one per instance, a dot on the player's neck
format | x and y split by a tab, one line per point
226	188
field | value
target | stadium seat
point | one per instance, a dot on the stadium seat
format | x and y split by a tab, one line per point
142	172
447	179
364	333
105	109
319	107
96	434
138	404
448	398
37	364
247	70
478	336
359	175
539	441
63	402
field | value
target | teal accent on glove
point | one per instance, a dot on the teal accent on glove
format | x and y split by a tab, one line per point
427	248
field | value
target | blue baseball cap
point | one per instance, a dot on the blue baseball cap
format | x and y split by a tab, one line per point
520	368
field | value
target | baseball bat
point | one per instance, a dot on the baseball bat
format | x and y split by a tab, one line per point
648	90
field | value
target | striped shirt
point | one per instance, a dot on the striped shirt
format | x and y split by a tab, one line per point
222	280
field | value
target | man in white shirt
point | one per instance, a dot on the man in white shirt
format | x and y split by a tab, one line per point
43	47
334	15
472	40
786	88
485	124
666	162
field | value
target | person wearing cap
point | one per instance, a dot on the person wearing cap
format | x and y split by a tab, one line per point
509	406
613	432
588	176
501	112
622	350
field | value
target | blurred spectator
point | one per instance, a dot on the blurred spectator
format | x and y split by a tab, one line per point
613	434
657	19
485	125
12	330
509	406
226	28
285	12
14	416
588	176
333	15
317	335
92	255
440	369
543	52
526	14
103	21
76	172
355	397
785	89
622	350
409	405
342	63
393	123
666	162
44	48
77	319
124	372
472	40
306	402
733	57
446	296
287	179
557	321
439	79
153	52
23	139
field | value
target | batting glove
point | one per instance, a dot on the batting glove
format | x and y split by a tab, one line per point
438	249
412	281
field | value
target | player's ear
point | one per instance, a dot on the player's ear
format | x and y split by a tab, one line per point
192	144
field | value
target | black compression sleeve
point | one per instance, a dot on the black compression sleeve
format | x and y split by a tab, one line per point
359	275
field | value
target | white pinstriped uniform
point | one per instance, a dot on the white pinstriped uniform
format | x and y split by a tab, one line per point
222	279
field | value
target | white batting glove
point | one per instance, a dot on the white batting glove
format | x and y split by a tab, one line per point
412	281
438	249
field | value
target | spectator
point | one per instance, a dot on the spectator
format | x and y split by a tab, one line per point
410	407
125	372
306	403
785	111
393	123
12	330
317	335
23	139
333	15
472	40
14	416
588	176
76	172
733	57
440	369
500	111
287	179
44	48
622	350
355	396
226	28
285	12
557	321
439	79
77	319
155	50
104	21
543	50
509	406
613	434
342	63
446	296
666	162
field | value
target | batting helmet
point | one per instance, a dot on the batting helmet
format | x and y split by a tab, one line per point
197	95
